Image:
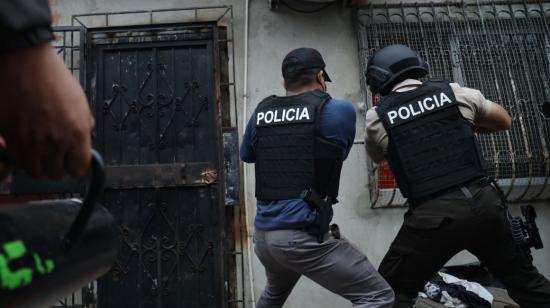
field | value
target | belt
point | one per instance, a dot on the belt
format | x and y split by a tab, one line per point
464	188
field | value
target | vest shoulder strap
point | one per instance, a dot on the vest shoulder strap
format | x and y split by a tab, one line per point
438	83
321	98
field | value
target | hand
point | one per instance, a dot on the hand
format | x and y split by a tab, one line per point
497	119
44	115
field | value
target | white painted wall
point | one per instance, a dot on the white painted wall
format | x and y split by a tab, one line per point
272	35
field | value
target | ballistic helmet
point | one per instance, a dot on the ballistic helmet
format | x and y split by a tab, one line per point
389	65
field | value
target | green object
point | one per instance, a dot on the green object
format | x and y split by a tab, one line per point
50	265
14	278
38	262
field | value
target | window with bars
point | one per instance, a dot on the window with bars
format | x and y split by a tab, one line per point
500	48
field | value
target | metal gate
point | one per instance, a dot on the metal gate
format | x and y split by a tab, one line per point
164	100
499	47
158	126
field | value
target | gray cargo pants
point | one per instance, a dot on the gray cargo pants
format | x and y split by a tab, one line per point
335	264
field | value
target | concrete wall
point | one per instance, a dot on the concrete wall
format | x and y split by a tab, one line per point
333	34
271	35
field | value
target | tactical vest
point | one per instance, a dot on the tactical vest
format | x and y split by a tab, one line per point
291	156
432	147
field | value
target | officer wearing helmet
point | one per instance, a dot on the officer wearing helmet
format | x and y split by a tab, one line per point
425	130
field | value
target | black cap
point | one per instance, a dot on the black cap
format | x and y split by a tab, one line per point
302	59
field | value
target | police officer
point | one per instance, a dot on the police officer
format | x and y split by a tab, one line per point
298	143
426	132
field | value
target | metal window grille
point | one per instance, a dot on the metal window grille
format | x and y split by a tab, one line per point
70	44
501	48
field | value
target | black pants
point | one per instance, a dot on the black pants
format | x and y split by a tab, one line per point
437	229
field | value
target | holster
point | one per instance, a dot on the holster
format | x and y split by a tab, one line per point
323	208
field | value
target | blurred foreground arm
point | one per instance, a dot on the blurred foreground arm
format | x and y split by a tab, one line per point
24	23
44	115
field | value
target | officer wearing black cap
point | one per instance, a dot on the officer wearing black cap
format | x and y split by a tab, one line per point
425	130
298	143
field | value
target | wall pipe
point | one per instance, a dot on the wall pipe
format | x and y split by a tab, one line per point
245	173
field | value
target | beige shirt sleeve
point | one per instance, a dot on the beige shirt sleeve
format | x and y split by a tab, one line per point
376	138
472	104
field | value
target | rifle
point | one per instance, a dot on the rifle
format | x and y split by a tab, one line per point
323	207
50	248
525	233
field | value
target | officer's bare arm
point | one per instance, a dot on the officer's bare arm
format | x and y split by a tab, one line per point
497	119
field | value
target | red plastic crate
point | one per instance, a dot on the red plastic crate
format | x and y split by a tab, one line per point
385	176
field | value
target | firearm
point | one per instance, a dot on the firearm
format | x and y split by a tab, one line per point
323	207
525	232
50	248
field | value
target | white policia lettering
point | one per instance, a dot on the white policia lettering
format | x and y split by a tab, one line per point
428	103
285	115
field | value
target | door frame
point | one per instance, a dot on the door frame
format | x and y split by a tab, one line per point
212	45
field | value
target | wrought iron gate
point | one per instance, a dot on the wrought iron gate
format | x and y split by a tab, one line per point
161	94
499	47
184	92
158	126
